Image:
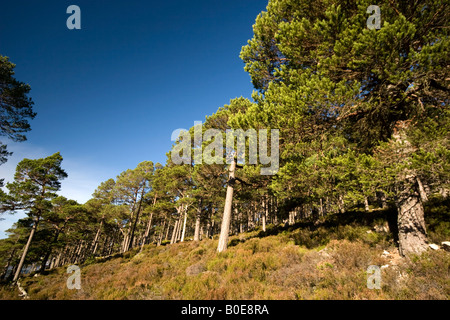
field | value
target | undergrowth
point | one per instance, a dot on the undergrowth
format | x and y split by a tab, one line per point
325	260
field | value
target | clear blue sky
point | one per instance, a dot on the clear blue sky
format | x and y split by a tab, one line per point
108	96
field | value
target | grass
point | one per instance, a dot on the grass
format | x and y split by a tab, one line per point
304	261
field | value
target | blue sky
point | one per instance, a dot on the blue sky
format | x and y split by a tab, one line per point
108	96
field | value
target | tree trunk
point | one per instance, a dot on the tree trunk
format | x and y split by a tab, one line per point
133	229
25	250
241	225
178	235
411	222
341	204
366	204
291	218
174	232
423	194
381	198
264	215
49	251
125	241
226	219
184	223
197	222
58	259
166	237
412	234
147	231
97	235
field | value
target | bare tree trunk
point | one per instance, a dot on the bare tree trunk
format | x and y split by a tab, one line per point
197	222
213	224
167	231
366	204
125	241
411	222
25	250
412	233
239	215
423	194
226	219
133	229
79	255
321	211
178	235
97	236
341	204
263	219
174	232
147	231
184	223
161	235
249	218
291	218
264	214
57	260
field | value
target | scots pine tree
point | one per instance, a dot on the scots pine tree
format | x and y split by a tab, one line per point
35	185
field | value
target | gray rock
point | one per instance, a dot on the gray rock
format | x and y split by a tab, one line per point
195	269
433	246
446	245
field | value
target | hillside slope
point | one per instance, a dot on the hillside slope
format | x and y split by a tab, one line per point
326	260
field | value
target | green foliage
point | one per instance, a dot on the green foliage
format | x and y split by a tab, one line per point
16	108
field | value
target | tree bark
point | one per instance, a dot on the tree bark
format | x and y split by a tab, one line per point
366	204
411	222
174	232
226	219
161	234
133	229
197	222
264	215
97	235
147	231
184	224
341	204
423	194
412	233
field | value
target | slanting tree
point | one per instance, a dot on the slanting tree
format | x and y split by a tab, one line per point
16	108
35	185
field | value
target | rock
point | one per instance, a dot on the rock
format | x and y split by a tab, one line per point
385	254
195	269
433	246
446	245
382	228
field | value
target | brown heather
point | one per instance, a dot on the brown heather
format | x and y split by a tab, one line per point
304	261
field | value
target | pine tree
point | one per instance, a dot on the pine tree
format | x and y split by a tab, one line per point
35	185
16	108
332	85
